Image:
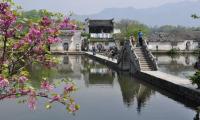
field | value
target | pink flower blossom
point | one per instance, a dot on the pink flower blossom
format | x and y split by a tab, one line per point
56	98
45	21
52	31
72	107
3	7
10	33
52	40
64	24
46	85
16	46
19	27
24	91
3	82
34	33
32	100
21	42
69	88
23	79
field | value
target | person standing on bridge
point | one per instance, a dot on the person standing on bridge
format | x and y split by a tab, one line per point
93	50
140	37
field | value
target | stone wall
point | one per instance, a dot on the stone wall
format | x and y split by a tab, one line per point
185	92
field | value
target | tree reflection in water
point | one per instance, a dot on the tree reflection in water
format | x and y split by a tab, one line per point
197	116
132	90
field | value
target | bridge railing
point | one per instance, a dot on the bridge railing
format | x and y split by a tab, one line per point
150	55
136	59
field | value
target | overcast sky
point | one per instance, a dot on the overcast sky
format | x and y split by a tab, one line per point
89	6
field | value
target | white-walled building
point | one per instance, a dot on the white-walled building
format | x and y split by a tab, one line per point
71	41
166	42
100	32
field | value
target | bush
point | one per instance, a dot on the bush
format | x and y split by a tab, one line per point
85	35
172	51
196	51
195	79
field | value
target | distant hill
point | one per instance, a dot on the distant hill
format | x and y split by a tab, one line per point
168	14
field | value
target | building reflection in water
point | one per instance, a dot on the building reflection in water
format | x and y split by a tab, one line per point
132	92
97	74
70	67
179	65
197	116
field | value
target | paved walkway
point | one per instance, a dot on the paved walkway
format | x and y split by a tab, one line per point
68	52
168	77
103	57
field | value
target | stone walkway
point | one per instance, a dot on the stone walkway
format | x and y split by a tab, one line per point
170	78
103	57
68	52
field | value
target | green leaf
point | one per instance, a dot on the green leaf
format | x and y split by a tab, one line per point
77	107
48	106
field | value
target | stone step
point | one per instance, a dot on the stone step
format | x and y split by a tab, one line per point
145	63
146	69
144	58
146	66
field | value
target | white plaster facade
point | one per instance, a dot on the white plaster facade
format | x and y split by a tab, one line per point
185	45
101	35
70	42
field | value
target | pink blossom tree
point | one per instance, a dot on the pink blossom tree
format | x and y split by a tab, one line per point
24	43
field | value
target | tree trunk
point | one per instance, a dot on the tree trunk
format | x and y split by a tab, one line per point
4	48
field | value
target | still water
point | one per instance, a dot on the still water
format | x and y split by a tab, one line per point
179	65
104	94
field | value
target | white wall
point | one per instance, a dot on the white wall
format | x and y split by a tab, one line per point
166	46
101	35
72	41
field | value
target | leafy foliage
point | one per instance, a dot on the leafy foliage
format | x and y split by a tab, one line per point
24	42
172	51
131	27
195	79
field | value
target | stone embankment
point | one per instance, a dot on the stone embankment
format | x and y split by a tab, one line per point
172	84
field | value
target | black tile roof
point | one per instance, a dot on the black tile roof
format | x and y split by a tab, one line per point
101	23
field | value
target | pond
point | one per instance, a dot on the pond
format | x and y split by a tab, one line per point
104	94
178	65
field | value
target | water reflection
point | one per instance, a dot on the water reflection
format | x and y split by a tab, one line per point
96	74
69	67
132	90
38	73
179	65
105	94
197	116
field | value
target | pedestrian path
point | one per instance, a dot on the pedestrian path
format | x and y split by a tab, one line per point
168	77
102	57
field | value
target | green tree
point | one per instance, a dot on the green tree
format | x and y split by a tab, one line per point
131	27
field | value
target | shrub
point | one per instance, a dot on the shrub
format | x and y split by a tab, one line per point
195	79
172	51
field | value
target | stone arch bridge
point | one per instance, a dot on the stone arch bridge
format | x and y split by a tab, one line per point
135	58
